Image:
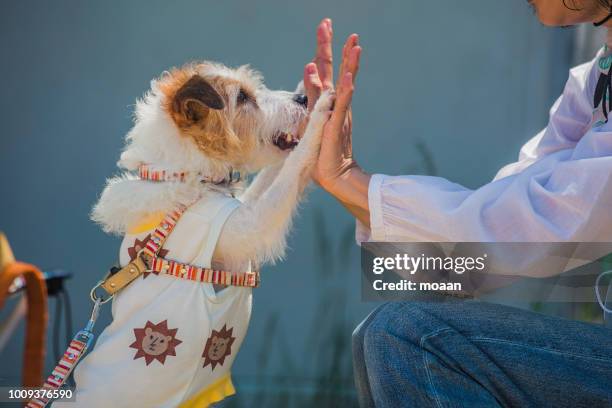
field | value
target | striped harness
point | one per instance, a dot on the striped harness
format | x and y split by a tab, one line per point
158	265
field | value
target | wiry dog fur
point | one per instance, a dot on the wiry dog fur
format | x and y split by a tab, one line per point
206	118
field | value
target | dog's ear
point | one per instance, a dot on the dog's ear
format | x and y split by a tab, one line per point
195	97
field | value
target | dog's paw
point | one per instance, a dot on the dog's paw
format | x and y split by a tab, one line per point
311	141
325	103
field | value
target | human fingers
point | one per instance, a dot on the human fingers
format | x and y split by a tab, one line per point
344	95
324	55
351	41
353	60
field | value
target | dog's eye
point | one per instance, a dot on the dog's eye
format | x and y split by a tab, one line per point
243	97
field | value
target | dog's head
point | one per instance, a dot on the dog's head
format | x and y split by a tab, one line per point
214	116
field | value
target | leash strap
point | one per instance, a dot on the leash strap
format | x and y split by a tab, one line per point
77	348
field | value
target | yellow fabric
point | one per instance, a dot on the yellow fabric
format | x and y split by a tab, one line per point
219	390
147	224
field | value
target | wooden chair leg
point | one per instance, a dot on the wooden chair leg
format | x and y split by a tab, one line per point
36	318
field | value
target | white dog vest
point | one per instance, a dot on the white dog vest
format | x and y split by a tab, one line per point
172	341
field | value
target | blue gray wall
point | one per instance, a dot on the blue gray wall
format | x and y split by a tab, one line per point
446	87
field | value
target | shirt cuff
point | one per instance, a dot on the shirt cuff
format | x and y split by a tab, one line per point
376	232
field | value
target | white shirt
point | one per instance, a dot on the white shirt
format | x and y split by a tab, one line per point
558	190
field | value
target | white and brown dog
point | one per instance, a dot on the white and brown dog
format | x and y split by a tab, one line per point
172	341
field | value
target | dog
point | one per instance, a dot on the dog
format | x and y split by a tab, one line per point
172	341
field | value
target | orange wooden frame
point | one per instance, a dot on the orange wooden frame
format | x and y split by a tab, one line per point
36	318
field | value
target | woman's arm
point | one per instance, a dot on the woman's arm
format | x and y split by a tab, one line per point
554	200
351	190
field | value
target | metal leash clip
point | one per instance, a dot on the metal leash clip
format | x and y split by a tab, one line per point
86	335
100	300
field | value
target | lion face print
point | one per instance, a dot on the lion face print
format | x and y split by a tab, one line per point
218	346
155	342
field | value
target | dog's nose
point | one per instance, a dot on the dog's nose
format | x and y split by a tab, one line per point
301	99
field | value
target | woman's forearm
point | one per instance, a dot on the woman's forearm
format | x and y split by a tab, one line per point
351	189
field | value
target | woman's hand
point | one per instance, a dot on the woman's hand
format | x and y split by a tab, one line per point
336	169
336	156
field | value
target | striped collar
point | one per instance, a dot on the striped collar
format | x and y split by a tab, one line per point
150	173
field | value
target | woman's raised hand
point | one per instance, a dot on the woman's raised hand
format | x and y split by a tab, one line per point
336	170
335	158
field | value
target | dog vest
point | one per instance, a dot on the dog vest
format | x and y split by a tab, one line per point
172	341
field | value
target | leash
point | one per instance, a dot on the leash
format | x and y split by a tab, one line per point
77	348
146	261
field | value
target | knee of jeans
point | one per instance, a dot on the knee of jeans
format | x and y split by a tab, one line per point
408	321
377	332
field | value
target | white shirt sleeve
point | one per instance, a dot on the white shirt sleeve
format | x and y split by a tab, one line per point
558	190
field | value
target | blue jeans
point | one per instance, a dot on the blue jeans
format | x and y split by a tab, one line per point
457	353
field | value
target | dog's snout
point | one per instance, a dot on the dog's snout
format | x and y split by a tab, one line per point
301	99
